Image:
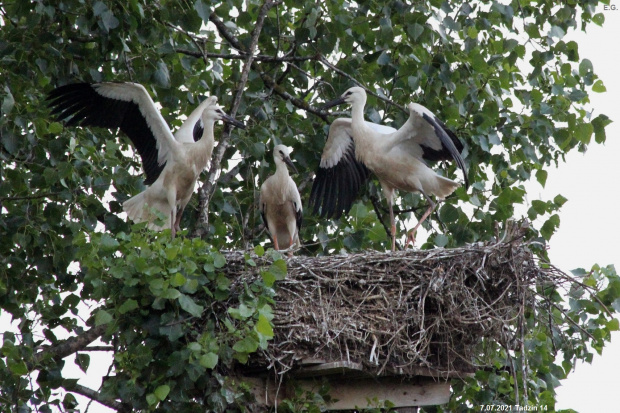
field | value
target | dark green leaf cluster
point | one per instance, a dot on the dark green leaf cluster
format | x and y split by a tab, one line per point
501	75
178	322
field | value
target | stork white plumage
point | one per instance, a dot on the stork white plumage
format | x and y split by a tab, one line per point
172	163
355	147
280	203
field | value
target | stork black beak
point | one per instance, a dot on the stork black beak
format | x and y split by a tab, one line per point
229	119
332	103
287	160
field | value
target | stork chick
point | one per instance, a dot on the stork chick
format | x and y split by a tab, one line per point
398	158
172	163
280	203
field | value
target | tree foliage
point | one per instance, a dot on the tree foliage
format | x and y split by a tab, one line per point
501	74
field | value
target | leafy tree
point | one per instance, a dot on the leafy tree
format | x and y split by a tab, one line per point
499	74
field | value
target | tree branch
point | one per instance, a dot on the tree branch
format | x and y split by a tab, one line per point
206	192
68	346
324	61
257	58
268	80
73	387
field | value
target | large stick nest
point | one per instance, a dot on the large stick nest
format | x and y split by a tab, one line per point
397	312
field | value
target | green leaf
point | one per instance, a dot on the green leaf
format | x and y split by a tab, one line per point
268	278
190	306
383	59
102	317
599	87
559	200
583	132
541	177
441	240
161	392
18	367
209	360
219	260
203	10
599	123
448	213
127	306
107	243
585	67
278	269
557	31
599	19
83	361
247	345
151	399
8	102
177	280
415	30
259	250
162	75
263	326
613	324
549	227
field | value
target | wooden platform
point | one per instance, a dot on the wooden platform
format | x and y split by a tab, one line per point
351	387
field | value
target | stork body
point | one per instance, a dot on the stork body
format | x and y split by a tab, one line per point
172	163
280	203
397	157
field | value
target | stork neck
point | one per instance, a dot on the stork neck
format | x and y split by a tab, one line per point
358	124
281	169
207	133
357	113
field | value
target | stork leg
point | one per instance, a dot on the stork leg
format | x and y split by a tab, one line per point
393	227
172	203
173	229
275	243
177	222
429	210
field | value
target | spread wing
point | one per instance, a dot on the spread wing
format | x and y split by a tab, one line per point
340	175
434	138
127	106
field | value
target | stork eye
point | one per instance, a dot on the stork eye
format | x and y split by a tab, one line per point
281	153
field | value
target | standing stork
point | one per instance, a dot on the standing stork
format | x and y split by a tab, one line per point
172	163
280	203
355	147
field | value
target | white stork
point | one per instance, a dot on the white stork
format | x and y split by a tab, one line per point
280	203
355	147
172	163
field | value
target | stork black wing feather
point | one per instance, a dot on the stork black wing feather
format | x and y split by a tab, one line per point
335	188
451	146
80	104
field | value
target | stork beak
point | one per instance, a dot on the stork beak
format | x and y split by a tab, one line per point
233	121
337	101
287	160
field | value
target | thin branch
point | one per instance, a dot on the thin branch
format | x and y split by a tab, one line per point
377	206
207	190
20	198
73	387
324	61
258	58
98	348
68	346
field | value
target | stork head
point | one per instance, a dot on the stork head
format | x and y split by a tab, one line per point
353	96
282	156
213	113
